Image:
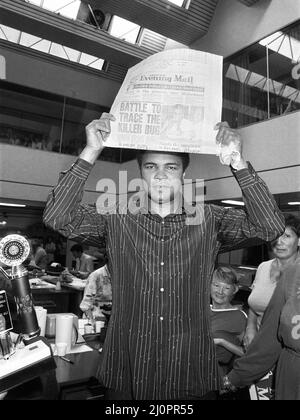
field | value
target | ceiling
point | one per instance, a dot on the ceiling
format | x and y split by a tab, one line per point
182	24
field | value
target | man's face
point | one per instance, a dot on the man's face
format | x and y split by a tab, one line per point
163	175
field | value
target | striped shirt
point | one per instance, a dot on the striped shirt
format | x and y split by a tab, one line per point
159	343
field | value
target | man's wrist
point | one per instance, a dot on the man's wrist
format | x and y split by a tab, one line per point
242	164
90	154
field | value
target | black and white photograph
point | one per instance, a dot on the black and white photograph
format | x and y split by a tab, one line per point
150	203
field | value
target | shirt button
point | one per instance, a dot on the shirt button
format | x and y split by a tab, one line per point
162	289
161	318
162	263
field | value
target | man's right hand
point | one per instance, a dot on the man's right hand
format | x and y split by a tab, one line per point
97	133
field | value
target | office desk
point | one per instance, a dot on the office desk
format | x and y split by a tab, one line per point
78	381
55	301
67	299
67	382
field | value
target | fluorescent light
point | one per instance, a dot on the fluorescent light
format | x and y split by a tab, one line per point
3	223
235	203
294	203
12	205
247	268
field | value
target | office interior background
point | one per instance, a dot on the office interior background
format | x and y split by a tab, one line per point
62	63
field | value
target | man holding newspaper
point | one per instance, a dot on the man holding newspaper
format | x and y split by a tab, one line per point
161	257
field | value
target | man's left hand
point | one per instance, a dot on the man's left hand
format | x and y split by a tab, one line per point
230	143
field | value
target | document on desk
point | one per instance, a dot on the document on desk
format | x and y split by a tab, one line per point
37	283
81	348
171	102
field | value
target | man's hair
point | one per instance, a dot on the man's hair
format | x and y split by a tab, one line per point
292	222
185	157
226	274
76	248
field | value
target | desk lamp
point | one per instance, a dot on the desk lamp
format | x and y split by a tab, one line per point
14	250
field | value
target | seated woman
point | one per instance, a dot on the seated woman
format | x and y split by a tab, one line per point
228	322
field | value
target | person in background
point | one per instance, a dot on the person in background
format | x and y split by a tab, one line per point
61	251
50	248
228	322
97	293
84	263
39	255
285	252
277	342
161	256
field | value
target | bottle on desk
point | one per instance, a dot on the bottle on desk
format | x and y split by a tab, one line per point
58	284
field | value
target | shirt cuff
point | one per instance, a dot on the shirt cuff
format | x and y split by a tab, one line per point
81	168
245	177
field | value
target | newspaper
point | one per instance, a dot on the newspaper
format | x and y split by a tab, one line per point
171	102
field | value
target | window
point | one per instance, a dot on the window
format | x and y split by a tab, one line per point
67	8
181	3
53	123
124	29
49	47
263	81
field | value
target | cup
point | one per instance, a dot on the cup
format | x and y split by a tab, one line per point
99	325
41	314
88	329
50	326
65	330
61	349
6	346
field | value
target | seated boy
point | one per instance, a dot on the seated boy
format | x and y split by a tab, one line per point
228	322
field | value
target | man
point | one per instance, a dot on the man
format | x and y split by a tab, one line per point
159	344
39	255
97	293
84	262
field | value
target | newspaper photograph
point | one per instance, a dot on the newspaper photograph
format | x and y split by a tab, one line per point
170	102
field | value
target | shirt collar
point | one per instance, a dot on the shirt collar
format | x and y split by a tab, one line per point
139	204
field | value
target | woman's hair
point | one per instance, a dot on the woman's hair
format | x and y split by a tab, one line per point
185	157
226	274
292	222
